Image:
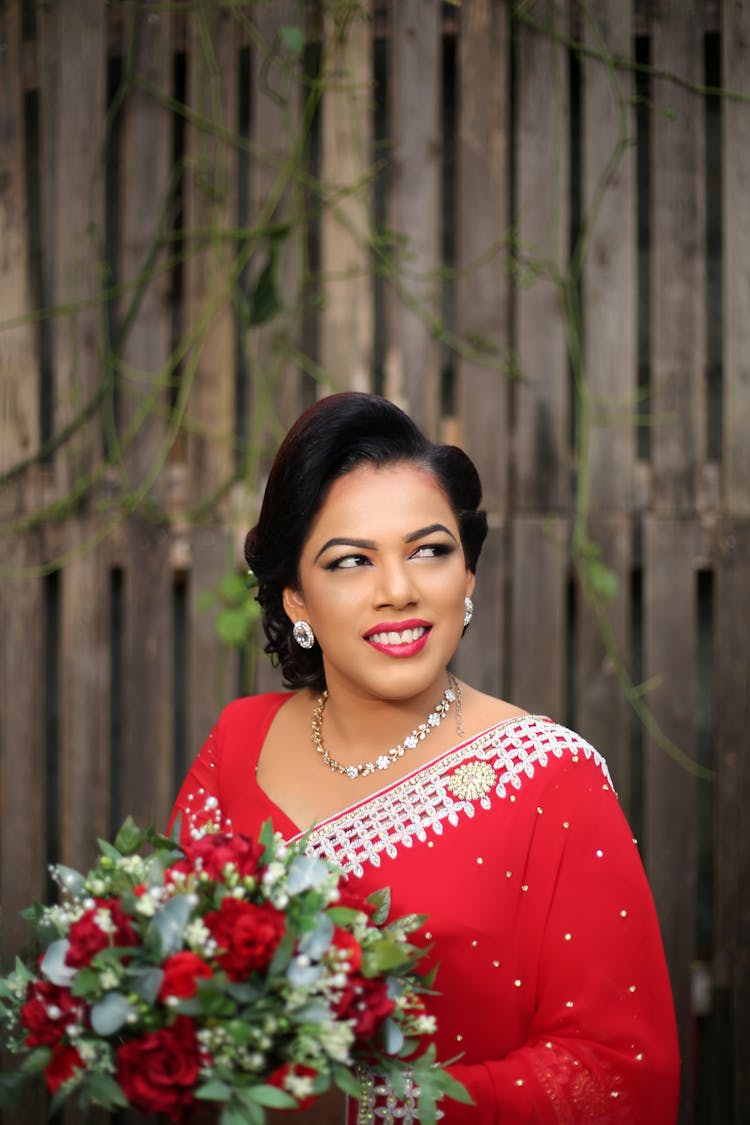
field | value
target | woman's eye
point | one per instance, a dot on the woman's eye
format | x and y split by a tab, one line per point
347	562
433	550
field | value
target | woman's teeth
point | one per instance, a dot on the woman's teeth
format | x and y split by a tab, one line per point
403	638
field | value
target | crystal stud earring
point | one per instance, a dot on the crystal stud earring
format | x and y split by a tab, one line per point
468	611
303	634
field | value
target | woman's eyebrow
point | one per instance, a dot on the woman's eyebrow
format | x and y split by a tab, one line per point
367	544
428	531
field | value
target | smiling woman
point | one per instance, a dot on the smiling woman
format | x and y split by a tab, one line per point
501	827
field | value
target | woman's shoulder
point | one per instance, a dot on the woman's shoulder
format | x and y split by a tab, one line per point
251	710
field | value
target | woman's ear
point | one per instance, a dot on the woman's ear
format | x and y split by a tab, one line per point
294	604
471	581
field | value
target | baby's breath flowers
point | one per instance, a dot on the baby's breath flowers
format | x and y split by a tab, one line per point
252	974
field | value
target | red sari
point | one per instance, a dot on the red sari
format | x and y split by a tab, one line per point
553	987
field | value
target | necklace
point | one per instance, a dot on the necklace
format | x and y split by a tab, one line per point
452	694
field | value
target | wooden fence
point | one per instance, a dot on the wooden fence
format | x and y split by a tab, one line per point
528	224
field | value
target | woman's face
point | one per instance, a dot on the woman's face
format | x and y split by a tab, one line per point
382	581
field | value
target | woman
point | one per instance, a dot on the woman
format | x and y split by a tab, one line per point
502	827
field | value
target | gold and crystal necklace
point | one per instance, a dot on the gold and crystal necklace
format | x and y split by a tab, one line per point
452	694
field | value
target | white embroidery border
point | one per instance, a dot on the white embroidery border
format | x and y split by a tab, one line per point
421	802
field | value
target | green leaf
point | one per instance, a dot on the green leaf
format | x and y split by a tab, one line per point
346	1080
270	1096
381	900
105	1091
248	1115
130	837
603	580
86	983
383	955
36	1061
231	625
293	39
264	301
214	1091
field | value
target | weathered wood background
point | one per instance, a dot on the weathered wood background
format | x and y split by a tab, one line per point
528	224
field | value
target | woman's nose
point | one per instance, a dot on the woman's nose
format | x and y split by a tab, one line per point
395	586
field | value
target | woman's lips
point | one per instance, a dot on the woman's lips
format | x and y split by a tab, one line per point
400	642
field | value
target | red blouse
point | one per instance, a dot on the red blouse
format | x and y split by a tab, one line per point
553	987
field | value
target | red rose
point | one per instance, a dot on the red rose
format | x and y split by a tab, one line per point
293	1070
211	853
62	1066
366	1003
353	900
48	1011
159	1071
345	947
92	932
182	971
248	935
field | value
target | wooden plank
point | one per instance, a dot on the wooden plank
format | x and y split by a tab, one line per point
542	193
84	678
602	712
539	563
145	212
608	179
23	827
19	376
735	68
347	315
213	675
483	221
73	108
276	104
670	649
210	277
480	658
732	867
411	357
148	762
678	266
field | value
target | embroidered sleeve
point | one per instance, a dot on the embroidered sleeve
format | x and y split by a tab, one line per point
198	801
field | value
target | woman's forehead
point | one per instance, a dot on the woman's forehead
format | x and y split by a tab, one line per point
383	495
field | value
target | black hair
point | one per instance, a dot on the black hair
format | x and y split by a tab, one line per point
332	437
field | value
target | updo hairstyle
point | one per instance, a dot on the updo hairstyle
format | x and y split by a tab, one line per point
335	435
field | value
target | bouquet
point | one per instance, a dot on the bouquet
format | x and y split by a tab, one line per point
229	971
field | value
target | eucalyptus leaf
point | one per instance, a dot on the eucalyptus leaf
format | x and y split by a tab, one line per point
303	976
393	1037
293	39
72	881
315	943
305	873
146	984
169	923
109	1015
53	964
315	1011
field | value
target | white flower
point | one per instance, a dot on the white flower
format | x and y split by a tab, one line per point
104	921
146	905
273	873
109	979
299	1085
336	1039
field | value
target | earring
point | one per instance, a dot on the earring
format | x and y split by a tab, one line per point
468	611
303	634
